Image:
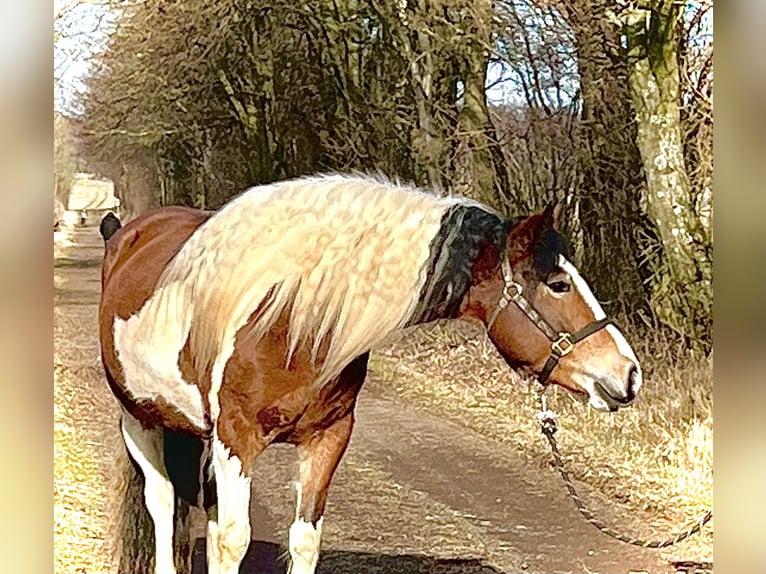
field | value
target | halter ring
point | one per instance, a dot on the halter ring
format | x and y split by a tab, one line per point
511	291
563	345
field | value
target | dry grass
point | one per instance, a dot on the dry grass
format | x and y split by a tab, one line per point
655	457
78	489
81	491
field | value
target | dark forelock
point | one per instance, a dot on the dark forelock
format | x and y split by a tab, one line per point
546	248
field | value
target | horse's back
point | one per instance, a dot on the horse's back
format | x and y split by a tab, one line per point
150	240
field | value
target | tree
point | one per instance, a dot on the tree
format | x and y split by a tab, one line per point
612	224
65	154
479	166
191	102
682	291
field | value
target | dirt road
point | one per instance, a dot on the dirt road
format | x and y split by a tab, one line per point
414	493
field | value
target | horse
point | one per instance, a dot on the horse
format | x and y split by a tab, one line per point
223	333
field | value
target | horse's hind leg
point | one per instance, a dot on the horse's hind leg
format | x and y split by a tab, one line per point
319	457
186	460
145	447
228	527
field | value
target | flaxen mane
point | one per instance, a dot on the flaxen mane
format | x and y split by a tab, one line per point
351	258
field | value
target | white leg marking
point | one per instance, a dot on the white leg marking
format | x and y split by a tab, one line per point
228	529
145	446
304	546
304	538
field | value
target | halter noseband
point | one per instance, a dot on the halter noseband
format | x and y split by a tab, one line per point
562	343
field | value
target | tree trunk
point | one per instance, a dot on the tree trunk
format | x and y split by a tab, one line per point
608	199
476	175
428	146
137	185
682	284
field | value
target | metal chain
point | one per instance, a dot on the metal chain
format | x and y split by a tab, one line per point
549	428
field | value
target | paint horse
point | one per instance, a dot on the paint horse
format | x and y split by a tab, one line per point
223	333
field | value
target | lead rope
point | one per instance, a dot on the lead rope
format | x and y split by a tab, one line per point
548	426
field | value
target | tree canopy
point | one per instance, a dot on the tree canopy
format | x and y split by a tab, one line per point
193	101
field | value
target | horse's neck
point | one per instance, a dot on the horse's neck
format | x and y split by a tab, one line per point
471	240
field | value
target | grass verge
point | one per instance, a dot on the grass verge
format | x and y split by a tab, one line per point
654	457
78	490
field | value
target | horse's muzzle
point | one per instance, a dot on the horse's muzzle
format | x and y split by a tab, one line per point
615	398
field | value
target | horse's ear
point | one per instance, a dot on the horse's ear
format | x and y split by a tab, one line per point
558	210
522	236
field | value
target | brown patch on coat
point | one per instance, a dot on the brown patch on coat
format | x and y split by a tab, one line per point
263	400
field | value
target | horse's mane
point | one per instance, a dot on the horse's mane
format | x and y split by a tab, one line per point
346	256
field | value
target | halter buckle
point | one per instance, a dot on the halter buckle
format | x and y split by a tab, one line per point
563	345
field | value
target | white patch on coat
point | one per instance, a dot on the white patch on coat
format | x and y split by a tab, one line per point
583	288
228	531
350	254
148	344
145	447
622	344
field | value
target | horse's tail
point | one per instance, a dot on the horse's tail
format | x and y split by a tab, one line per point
187	462
109	226
132	528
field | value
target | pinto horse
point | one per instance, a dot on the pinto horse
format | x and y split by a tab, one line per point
224	332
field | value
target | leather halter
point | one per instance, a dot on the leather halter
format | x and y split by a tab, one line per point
562	342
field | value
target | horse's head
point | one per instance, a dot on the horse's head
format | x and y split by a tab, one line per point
540	313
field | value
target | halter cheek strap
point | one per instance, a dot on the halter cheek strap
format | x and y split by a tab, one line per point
562	343
511	292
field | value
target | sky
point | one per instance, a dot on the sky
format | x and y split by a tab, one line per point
80	30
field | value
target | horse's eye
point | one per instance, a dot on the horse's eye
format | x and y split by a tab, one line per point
559	286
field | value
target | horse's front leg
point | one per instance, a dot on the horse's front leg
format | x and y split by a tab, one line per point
319	457
228	527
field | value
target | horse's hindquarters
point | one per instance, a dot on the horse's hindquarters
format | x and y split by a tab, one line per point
135	257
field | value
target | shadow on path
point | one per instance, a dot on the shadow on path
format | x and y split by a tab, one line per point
268	558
